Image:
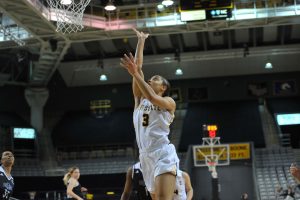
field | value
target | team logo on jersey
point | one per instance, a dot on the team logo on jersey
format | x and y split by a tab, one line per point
149	108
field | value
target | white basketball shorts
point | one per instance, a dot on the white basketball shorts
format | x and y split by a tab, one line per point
157	162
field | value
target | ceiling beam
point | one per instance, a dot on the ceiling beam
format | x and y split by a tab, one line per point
190	56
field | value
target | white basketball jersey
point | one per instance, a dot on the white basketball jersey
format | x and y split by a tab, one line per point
151	125
180	193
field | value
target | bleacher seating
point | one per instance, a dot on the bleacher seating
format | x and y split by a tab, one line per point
96	154
27	167
272	171
100	166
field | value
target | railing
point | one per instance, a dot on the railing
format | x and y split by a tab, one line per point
147	15
9	30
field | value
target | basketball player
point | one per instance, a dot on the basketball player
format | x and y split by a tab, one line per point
6	180
184	189
74	189
135	184
153	114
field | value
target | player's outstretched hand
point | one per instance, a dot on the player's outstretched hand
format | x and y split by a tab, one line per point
140	34
128	63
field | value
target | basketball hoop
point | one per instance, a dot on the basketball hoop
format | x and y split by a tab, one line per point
69	14
211	166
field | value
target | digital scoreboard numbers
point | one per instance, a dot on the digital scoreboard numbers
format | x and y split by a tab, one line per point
204	4
219	13
205	9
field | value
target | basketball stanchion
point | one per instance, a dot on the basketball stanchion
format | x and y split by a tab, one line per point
211	153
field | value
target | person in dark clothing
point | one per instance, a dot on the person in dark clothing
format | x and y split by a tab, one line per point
74	189
287	194
6	180
244	196
135	187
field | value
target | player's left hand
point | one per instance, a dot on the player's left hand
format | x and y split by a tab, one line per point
140	34
128	63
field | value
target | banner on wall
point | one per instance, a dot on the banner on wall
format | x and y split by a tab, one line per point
239	151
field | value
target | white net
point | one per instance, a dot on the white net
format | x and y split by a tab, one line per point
211	166
69	14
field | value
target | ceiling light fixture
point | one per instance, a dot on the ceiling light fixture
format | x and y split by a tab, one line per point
103	77
167	2
66	2
268	65
160	7
110	6
177	57
178	72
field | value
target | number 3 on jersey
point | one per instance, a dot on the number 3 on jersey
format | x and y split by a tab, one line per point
145	119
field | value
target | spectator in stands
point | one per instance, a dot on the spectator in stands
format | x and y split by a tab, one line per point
74	189
244	196
135	184
278	191
295	171
6	180
153	113
289	194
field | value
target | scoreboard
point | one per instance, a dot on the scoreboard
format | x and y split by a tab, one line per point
204	4
193	10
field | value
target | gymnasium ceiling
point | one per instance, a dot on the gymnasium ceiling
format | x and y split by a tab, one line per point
207	49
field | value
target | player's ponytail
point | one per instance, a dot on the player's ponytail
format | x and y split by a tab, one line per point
67	176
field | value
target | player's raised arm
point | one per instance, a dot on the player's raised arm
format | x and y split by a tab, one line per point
138	59
146	90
